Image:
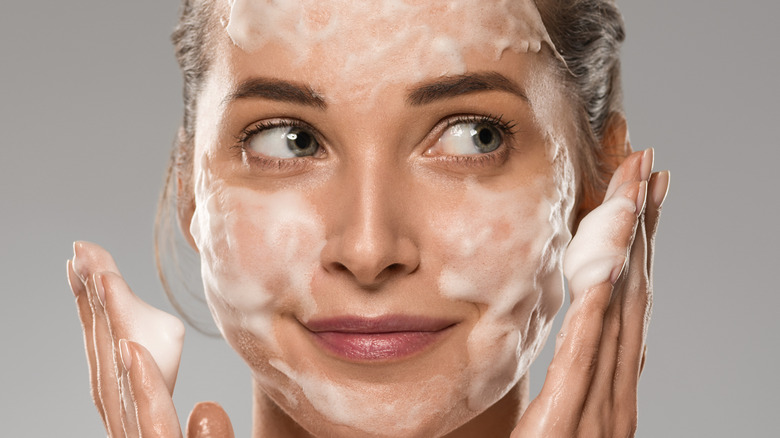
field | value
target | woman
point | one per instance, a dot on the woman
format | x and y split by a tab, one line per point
381	202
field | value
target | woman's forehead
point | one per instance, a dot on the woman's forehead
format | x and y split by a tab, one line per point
354	52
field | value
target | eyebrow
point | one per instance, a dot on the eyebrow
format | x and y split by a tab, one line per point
453	86
277	90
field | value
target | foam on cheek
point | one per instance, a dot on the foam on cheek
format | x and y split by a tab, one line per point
504	256
355	51
507	254
258	255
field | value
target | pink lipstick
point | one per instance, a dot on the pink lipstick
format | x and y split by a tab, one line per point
377	339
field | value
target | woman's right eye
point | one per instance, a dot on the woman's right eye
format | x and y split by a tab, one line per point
282	142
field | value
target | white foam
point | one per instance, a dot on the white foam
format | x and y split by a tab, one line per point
520	297
366	407
520	301
160	333
258	252
357	51
594	253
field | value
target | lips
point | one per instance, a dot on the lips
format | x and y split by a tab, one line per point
377	339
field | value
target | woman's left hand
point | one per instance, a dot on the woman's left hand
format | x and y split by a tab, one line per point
131	385
591	384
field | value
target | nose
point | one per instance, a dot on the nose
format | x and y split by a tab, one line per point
371	238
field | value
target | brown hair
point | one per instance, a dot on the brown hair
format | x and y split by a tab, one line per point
586	33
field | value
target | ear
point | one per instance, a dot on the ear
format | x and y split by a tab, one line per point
185	196
615	147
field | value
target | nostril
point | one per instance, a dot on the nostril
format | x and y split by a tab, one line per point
395	268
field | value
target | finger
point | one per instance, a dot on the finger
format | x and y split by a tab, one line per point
209	420
636	167
107	376
600	392
128	407
634	319
563	395
658	188
147	393
133	319
86	319
639	295
599	250
89	258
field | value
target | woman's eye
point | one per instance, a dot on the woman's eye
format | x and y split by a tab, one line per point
284	142
469	138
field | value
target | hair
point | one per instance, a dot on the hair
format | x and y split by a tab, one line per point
586	33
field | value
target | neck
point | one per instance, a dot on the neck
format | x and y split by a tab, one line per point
497	421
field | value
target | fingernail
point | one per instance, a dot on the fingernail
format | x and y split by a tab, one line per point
646	167
97	279
71	277
77	268
640	197
661	188
124	353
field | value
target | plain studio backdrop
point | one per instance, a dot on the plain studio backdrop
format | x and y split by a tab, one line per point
89	104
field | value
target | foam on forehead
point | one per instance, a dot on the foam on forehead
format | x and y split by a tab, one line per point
363	45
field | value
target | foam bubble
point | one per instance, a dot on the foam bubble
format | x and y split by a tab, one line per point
358	52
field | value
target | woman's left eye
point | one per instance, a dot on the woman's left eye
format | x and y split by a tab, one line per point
469	138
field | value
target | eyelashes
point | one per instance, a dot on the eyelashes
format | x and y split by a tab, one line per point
459	140
474	140
279	144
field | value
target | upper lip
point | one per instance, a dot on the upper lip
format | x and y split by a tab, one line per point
380	324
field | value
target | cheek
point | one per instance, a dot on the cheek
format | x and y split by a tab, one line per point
503	256
258	255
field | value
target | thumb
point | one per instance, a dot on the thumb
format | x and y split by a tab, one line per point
209	420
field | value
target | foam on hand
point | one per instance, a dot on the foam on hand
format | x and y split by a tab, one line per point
162	334
595	253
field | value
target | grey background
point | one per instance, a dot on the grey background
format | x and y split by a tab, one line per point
89	104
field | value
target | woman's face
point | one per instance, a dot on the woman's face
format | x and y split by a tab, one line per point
381	205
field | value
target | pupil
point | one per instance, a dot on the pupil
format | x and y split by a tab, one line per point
301	143
302	140
485	136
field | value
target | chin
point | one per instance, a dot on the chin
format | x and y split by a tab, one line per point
351	408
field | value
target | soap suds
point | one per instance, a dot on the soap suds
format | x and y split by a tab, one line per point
259	250
259	253
519	297
399	41
594	253
357	405
162	334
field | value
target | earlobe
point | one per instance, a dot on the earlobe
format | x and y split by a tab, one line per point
185	198
185	210
615	147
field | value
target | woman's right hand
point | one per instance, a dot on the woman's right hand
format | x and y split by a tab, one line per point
130	384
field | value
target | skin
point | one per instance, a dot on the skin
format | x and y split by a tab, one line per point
384	256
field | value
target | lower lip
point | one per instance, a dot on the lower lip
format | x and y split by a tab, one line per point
376	346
